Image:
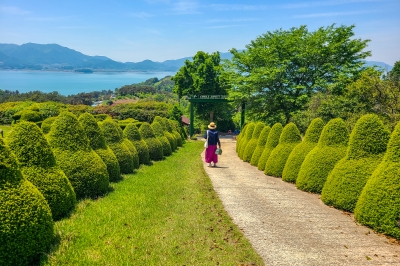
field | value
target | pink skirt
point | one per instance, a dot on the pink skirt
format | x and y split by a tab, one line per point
210	154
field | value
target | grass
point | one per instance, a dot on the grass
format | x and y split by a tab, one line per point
6	129
165	214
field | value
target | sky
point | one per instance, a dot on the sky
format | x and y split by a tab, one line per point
158	30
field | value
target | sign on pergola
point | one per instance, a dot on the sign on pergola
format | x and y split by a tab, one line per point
209	99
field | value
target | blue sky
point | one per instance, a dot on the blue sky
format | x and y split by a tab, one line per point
167	29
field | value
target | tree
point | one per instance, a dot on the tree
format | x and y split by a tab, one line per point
202	76
279	71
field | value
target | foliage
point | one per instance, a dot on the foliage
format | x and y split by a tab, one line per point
46	124
178	137
367	145
289	138
252	144
158	131
131	132
320	161
154	145
142	111
279	71
133	151
98	144
26	225
83	167
272	142
38	165
114	140
165	125
299	153
246	138
260	145
379	201
239	138
202	76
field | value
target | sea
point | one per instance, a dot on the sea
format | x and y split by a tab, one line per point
68	83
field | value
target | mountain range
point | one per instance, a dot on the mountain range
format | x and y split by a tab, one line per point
56	57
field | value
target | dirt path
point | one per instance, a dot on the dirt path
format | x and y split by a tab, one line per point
291	227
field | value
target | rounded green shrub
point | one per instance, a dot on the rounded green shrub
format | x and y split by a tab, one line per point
320	161
289	138
154	145
46	124
379	203
26	225
239	137
262	139
367	145
246	138
83	167
38	165
168	133
272	142
98	144
132	149
114	140
299	153
252	144
178	137
131	132
158	131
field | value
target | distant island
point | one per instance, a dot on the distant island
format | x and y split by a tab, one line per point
54	57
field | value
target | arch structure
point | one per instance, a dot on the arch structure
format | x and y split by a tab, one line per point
209	99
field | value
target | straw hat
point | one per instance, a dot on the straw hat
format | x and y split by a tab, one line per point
212	125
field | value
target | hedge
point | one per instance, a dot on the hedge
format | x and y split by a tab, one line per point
252	144
246	138
46	124
158	131
260	146
98	144
289	138
38	165
131	132
379	203
272	142
239	137
133	151
169	134
300	152
154	145
26	225
367	146
114	140
320	161
83	167
178	137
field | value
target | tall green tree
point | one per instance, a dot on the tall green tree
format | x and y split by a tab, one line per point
279	71
202	76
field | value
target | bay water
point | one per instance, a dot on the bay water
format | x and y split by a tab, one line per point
68	83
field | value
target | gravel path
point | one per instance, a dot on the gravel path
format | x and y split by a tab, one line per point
287	226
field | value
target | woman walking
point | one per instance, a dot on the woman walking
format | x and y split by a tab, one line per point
212	141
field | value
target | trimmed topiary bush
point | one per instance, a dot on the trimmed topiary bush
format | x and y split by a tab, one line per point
83	167
320	161
98	144
177	136
239	137
132	149
38	165
367	145
114	140
289	138
379	203
246	138
262	139
158	131
154	145
252	144
272	142
46	124
131	132
299	153
168	133
26	225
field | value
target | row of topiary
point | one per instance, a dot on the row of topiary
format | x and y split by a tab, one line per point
357	172
43	175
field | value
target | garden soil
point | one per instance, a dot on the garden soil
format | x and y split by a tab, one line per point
287	226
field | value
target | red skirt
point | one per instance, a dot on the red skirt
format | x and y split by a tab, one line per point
210	154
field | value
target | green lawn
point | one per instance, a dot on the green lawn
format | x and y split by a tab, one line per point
6	129
165	214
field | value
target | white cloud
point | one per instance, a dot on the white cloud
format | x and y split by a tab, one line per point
185	7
